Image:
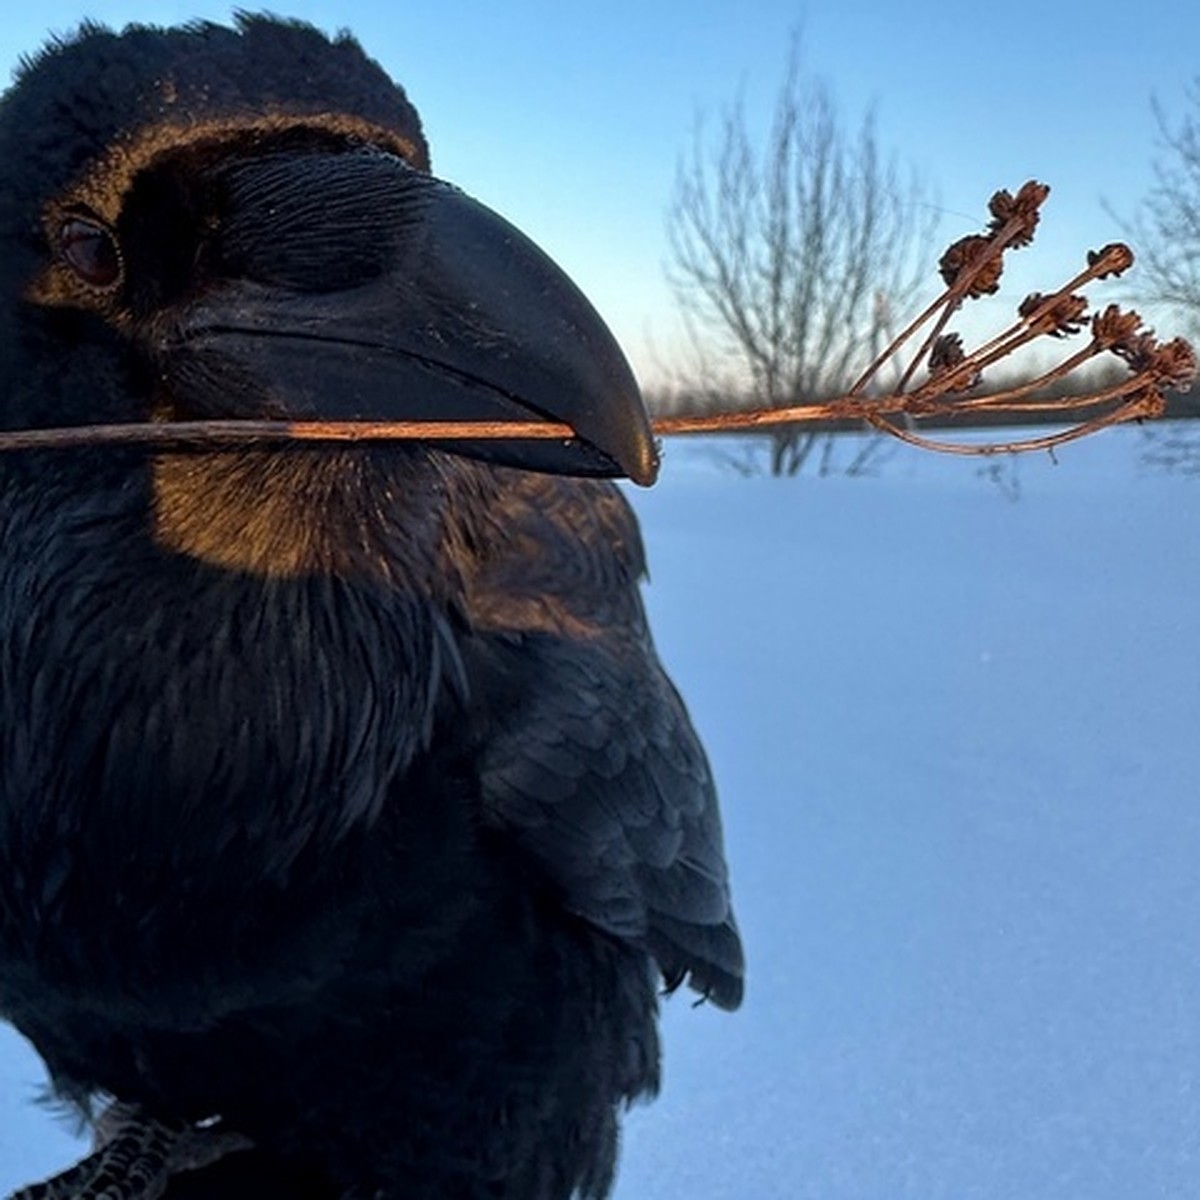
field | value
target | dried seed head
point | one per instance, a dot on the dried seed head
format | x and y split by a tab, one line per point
1174	365
1113	259
1139	350
1061	316
947	352
1023	208
971	253
945	355
1112	327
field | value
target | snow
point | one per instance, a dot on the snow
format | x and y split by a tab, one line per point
954	726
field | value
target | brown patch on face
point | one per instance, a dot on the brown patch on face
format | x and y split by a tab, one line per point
200	509
277	515
292	512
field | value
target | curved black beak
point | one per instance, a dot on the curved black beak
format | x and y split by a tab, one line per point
349	286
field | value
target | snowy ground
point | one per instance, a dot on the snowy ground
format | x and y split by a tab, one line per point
956	735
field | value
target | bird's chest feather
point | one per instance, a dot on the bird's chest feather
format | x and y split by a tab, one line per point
193	762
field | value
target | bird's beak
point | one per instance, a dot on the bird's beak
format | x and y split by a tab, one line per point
453	315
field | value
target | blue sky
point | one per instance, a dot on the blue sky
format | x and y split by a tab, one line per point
569	119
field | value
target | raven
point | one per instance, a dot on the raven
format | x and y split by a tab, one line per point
348	823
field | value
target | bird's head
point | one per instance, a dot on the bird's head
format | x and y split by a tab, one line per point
209	222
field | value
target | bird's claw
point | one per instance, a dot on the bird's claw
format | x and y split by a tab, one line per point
135	1158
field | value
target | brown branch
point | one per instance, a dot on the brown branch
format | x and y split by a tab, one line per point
1136	409
228	432
872	410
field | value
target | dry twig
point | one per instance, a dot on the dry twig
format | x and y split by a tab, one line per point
971	267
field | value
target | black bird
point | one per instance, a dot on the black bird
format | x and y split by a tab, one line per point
348	823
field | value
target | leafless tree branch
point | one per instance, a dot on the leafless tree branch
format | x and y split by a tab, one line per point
1167	228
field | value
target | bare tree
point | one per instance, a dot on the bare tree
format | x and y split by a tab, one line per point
1166	230
789	258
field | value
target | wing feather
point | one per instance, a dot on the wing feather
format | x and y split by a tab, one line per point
590	761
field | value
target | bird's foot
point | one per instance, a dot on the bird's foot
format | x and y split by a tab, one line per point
135	1158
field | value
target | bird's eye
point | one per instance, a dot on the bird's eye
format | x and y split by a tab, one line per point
90	250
